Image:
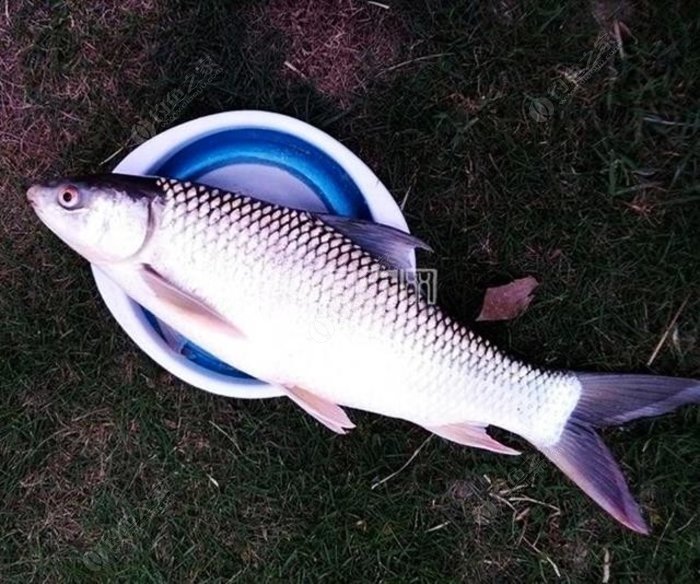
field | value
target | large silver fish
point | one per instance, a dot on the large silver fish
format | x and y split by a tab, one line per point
316	304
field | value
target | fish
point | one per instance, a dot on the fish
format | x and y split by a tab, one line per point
320	306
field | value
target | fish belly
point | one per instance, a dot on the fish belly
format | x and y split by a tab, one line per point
320	326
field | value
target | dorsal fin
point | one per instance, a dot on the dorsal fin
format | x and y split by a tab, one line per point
391	246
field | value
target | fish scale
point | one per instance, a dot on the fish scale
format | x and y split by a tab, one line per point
319	305
320	274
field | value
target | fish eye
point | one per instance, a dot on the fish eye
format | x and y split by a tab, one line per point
69	197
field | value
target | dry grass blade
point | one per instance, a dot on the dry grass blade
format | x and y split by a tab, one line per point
666	332
404	466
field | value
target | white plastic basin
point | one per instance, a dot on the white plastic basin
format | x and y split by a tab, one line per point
273	157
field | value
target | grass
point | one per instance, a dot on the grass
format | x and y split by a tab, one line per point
111	469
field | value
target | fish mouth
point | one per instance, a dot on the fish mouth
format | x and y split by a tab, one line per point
33	196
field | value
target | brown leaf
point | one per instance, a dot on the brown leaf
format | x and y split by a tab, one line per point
508	301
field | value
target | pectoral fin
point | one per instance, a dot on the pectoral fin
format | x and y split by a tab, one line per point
173	339
186	303
471	435
329	414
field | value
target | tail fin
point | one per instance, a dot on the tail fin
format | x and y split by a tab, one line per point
608	400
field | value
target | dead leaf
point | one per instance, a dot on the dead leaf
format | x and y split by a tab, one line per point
508	301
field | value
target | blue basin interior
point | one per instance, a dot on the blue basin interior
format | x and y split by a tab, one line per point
264	147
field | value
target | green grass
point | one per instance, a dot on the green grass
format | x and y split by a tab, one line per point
111	469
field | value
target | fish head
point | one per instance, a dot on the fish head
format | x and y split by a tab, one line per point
106	219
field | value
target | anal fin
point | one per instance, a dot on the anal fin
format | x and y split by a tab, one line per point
329	414
471	435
